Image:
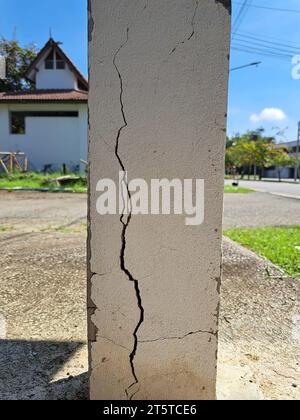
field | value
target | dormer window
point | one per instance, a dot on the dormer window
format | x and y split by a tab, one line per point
60	62
55	61
49	62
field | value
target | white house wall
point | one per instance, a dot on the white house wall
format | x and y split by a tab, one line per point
4	129
55	79
83	134
48	140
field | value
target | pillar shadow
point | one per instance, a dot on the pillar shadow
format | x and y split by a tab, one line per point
28	368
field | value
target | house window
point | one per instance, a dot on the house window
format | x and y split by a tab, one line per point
60	62
49	114
18	119
17	123
49	62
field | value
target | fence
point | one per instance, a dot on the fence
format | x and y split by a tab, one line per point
12	162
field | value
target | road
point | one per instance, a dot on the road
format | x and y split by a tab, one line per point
260	209
281	188
30	212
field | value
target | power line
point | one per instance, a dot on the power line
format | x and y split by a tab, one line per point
260	54
264	50
272	48
256	6
265	41
256	45
241	15
249	50
250	43
244	33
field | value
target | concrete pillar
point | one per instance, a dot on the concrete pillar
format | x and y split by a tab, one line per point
158	100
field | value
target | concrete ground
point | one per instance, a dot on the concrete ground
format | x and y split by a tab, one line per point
259	329
43	351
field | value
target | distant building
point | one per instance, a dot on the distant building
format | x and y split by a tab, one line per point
286	173
49	124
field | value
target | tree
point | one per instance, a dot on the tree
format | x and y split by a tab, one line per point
18	60
251	150
295	161
280	159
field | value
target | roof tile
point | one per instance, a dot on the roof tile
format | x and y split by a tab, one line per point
44	96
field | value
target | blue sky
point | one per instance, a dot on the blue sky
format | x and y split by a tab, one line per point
271	85
32	20
266	96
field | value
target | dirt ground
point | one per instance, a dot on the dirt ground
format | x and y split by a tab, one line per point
43	351
259	331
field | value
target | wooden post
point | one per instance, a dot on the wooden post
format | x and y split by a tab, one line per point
11	163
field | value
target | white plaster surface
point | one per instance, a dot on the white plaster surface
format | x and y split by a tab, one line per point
154	322
48	140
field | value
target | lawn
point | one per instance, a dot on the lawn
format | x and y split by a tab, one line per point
237	190
32	180
280	245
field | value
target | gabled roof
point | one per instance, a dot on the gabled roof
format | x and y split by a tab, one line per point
52	45
44	96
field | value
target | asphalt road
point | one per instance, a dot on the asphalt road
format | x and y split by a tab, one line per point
25	213
282	188
30	212
260	209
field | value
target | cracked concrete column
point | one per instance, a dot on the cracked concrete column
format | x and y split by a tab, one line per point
158	100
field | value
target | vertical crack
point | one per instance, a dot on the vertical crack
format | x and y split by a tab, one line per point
126	222
192	34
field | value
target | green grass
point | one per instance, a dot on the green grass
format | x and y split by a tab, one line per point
277	244
4	229
237	190
79	228
34	180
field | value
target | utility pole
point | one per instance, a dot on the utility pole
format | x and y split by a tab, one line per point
297	154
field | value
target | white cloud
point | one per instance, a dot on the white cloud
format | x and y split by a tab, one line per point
269	114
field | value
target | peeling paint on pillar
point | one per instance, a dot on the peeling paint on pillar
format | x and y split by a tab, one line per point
158	97
227	4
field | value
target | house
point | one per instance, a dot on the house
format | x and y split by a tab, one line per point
286	173
48	124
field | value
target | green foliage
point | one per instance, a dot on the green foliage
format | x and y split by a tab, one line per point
253	149
34	180
250	149
18	60
280	158
281	245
